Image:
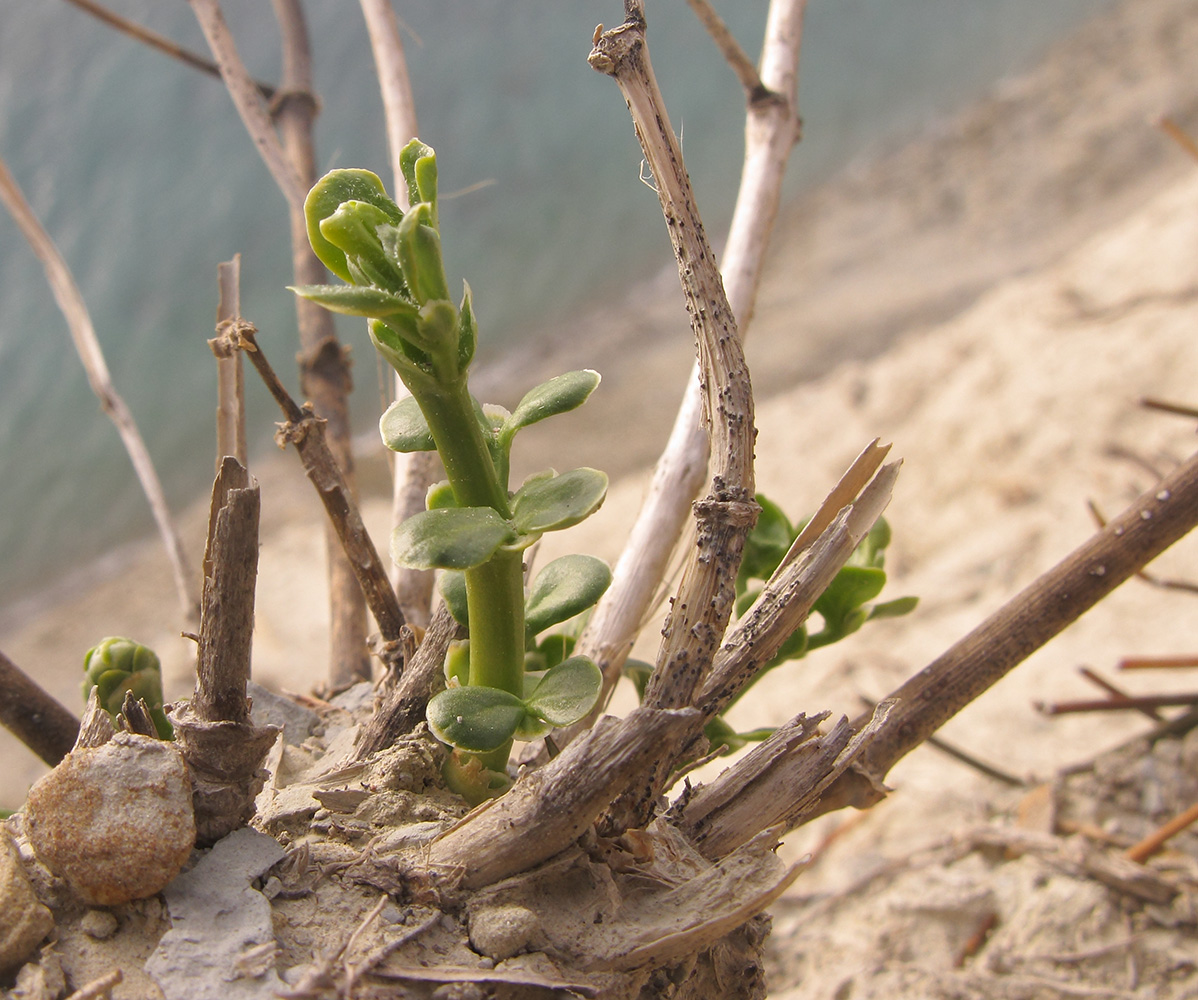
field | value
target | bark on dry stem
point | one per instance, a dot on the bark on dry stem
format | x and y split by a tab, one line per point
33	715
224	750
772	128
227	619
306	432
706	594
1156	520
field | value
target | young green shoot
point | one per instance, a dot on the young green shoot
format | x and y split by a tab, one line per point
501	687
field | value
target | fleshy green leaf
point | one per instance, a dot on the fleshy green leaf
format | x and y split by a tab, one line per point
438	324
327	195
457	663
564	588
418	164
452	586
558	395
474	718
450	538
356	229
550	651
467	329
404	428
420	257
767	543
894	609
394	340
551	503
849	589
440	495
352	300
567	692
639	672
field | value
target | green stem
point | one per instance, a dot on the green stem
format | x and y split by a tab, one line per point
449	410
495	595
494	590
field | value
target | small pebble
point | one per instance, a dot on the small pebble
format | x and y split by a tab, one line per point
98	924
499	932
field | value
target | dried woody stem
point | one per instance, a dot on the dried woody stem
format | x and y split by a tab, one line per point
414	472
83	333
33	715
324	366
306	431
1157	519
703	605
771	130
223	748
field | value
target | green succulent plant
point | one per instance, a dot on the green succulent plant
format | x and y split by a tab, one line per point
475	528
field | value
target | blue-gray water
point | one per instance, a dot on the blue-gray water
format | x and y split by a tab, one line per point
142	173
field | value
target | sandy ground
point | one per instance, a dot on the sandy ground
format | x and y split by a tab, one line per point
992	297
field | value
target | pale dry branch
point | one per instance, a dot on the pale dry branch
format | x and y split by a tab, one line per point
729	47
842	494
87	345
34	716
402	705
772	128
395	86
1179	135
248	100
161	43
99	988
788	597
230	575
230	374
1157	519
775	785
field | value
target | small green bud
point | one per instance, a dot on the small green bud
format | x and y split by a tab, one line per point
116	665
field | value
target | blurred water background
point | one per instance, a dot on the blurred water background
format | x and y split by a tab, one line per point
142	173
